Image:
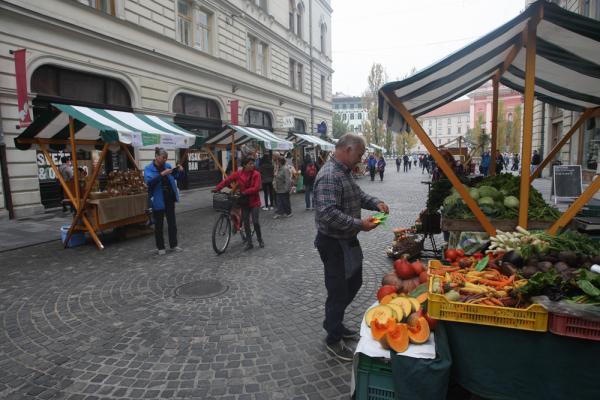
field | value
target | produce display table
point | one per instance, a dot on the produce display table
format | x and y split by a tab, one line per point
472	225
502	364
113	212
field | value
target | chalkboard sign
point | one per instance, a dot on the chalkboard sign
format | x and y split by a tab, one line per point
566	181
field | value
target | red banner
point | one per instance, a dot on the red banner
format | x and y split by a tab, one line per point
21	77
234	105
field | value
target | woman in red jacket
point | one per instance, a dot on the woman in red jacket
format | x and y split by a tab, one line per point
249	184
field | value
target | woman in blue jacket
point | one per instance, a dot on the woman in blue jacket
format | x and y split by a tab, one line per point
160	179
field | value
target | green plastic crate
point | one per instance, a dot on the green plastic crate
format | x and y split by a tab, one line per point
374	379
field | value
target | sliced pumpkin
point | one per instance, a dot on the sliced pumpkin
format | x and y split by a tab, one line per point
398	310
380	326
397	338
387	298
404	303
416	306
422	298
378	311
418	329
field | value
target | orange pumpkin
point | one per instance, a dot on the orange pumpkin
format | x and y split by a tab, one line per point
418	329
397	338
381	325
422	298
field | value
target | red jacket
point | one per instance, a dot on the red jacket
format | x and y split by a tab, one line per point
248	182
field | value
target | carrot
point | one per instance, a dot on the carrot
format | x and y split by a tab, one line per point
496	302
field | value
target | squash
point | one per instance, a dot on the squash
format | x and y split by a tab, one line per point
416	306
381	325
387	298
404	303
398	310
422	298
378	311
418	329
385	290
397	338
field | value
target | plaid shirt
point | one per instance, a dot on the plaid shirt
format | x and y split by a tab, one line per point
338	201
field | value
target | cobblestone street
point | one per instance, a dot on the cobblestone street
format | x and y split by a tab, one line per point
86	324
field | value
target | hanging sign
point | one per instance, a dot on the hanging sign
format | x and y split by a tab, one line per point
21	78
288	122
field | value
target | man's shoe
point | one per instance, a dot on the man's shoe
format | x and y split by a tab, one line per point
162	252
277	216
289	215
261	244
341	351
349	333
265	208
176	249
249	246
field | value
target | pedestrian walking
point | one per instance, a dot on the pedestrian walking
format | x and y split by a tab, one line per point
283	186
338	204
267	172
424	164
309	173
160	178
415	159
515	164
372	166
406	162
499	162
485	163
381	168
398	163
249	183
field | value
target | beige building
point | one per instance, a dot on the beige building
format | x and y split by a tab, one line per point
446	123
351	111
187	59
550	123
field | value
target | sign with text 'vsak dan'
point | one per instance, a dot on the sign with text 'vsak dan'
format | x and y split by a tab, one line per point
566	181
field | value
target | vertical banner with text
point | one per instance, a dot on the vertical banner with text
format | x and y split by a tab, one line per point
21	78
234	104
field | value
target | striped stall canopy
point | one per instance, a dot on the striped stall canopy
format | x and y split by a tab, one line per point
567	66
374	147
244	134
138	130
310	140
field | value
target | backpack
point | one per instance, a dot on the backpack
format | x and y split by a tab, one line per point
311	170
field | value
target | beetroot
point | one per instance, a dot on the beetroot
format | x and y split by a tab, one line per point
391	279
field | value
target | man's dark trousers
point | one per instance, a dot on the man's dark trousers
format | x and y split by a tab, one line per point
340	291
169	212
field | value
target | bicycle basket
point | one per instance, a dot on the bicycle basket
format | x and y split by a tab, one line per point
223	201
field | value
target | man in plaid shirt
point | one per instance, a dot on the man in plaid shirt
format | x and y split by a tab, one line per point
338	201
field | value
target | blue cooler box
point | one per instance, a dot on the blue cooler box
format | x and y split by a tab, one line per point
77	238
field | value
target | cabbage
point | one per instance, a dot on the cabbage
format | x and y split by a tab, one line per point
486	201
511	202
451	200
474	193
488	191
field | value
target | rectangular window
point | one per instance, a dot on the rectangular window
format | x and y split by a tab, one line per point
262	4
459	129
106	6
359	115
449	131
202	30
184	22
251	53
323	87
300	75
299	24
343	117
292	73
351	115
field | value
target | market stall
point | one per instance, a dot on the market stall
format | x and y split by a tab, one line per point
233	137
373	148
526	55
320	147
519	307
125	200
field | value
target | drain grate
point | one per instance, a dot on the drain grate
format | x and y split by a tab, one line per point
201	289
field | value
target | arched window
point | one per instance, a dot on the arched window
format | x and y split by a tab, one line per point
299	17
299	125
258	119
195	106
292	15
79	87
323	38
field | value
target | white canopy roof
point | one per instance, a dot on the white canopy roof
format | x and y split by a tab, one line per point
310	140
244	134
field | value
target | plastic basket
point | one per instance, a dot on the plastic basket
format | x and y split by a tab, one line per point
532	318
374	379
566	325
223	201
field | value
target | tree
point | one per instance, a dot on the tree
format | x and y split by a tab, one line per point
340	126
502	128
478	137
405	141
515	135
389	140
373	128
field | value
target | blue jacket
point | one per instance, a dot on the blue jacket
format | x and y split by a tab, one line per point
485	160
372	162
154	182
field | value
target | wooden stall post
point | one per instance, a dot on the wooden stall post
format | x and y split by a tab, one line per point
129	155
494	126
527	122
87	192
74	161
589	113
217	163
485	222
576	206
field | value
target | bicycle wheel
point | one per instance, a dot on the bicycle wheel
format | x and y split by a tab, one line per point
221	234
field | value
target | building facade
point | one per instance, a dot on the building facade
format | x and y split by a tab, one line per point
351	111
445	124
186	59
551	123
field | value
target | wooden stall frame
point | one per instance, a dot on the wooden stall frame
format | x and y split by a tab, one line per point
494	138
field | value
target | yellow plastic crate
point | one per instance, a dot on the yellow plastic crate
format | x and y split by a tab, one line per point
533	318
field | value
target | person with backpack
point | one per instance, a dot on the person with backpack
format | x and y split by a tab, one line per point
381	168
309	173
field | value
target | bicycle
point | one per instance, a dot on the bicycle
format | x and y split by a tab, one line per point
229	221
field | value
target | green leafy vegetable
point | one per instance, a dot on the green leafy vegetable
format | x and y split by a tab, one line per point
481	264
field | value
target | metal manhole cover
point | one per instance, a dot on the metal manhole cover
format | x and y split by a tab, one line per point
201	289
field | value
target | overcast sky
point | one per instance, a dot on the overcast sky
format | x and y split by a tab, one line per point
402	34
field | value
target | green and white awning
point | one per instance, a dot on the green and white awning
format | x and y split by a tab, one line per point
110	126
243	134
310	140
